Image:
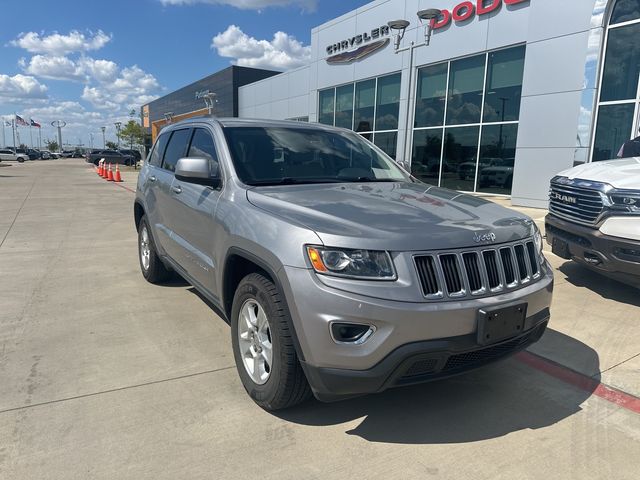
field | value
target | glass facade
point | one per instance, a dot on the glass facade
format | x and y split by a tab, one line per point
466	121
618	106
370	107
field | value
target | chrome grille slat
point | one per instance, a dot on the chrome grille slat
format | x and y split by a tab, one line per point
477	272
588	208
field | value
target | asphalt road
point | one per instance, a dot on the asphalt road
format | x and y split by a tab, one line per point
103	375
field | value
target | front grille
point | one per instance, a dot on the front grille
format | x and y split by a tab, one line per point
421	367
477	272
464	360
578	204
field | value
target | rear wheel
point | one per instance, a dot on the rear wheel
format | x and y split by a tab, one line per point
263	345
153	270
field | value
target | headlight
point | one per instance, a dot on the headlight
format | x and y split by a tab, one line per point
362	264
627	201
537	238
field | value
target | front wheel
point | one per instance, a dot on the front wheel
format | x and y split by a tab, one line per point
20	160
153	270
263	348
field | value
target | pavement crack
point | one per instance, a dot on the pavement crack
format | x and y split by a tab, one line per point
621	363
112	390
18	212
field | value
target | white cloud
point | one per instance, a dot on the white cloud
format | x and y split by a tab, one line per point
21	87
53	67
57	44
307	5
132	88
284	52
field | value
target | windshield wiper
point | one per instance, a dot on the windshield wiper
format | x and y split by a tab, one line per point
369	180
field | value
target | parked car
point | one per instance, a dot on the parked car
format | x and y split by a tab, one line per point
8	154
110	156
134	153
339	272
30	153
500	174
67	153
594	217
45	154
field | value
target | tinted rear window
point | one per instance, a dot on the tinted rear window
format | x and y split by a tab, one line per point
176	149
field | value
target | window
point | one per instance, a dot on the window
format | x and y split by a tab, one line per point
466	81
155	157
625	11
618	114
432	90
466	121
344	106
365	106
370	107
327	107
202	146
176	149
388	103
504	85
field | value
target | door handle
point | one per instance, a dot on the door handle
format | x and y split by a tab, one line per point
177	189
152	178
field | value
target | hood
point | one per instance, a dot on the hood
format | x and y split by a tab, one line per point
393	216
624	173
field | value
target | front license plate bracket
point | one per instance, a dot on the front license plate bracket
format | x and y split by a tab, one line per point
496	324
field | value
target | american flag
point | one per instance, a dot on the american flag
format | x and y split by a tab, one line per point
20	121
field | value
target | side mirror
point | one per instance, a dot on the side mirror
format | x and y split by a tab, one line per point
198	171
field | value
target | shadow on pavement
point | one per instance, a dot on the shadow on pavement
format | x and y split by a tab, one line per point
606	287
488	403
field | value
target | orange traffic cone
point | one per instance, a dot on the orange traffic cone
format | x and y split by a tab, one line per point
103	170
117	177
109	174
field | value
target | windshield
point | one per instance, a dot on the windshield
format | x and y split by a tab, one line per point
282	155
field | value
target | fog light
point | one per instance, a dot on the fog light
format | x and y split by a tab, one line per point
351	333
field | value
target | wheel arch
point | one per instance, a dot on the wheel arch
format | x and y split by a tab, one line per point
238	264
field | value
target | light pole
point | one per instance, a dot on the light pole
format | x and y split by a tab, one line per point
118	125
91	140
400	26
59	124
210	99
104	140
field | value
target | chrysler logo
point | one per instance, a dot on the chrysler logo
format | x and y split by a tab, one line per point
487	237
352	56
564	198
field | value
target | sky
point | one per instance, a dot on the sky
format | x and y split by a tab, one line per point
90	63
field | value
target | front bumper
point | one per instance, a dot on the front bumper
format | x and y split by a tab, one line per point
407	334
616	257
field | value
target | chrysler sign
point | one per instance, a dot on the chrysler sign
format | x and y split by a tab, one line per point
467	10
359	46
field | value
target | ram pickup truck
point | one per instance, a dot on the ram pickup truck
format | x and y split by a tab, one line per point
594	217
340	274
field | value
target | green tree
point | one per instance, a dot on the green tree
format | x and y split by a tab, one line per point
132	133
52	145
111	145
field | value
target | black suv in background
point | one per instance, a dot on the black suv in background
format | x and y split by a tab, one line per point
30	152
110	156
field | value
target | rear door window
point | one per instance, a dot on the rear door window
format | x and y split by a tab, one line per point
176	149
155	157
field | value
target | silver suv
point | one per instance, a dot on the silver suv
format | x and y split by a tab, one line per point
339	272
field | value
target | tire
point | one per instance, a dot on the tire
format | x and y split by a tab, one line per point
285	384
20	160
152	268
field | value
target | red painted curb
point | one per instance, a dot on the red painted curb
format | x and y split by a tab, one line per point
583	382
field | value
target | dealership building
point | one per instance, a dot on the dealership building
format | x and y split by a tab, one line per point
490	96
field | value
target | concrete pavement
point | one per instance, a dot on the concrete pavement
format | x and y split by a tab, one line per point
105	376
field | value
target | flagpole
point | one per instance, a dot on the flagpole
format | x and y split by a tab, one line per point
13	129
40	138
30	135
4	138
